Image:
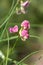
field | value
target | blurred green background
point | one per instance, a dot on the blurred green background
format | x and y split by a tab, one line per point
35	16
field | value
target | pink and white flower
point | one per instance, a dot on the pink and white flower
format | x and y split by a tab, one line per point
14	29
25	24
10	30
22	9
25	4
24	34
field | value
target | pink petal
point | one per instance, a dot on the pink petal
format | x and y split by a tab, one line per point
15	29
27	36
24	32
25	24
10	30
25	4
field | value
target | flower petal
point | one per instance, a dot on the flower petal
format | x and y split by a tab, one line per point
10	30
25	24
25	4
15	29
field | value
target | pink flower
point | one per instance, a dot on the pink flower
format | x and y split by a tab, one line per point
24	34
10	30
25	24
25	4
14	29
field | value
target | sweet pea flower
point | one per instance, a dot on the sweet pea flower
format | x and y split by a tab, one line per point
22	9
25	4
14	29
10	30
24	34
25	24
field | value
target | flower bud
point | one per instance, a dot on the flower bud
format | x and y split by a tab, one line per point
25	4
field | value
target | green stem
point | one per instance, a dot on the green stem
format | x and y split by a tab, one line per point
15	37
7	49
11	50
11	60
7	22
11	38
36	25
34	36
27	57
8	19
10	14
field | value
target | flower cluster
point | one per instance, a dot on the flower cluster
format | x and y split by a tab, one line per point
23	6
23	32
25	26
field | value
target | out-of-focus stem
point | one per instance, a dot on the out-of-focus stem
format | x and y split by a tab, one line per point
11	38
33	36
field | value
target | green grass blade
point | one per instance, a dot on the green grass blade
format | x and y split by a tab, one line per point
28	56
7	49
11	50
11	38
8	19
33	36
5	20
10	14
